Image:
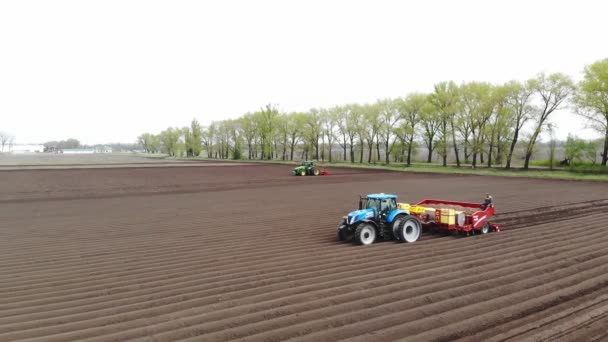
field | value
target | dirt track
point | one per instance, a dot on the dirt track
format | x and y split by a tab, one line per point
249	252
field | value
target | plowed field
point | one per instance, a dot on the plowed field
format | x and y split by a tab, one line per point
248	252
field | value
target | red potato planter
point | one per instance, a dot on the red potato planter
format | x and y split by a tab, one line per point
454	216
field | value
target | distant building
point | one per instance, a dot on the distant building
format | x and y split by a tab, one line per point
77	151
25	148
103	149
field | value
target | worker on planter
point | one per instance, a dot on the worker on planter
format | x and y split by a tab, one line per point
487	202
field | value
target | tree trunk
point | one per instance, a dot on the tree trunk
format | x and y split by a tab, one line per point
362	148
284	151
430	156
512	148
409	151
531	148
491	147
323	147
386	152
499	152
454	142
444	148
605	154
527	160
344	147
352	150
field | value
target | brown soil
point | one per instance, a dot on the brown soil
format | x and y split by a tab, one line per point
226	252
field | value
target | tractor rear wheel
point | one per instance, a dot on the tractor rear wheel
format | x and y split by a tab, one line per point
315	171
485	229
396	222
365	234
409	229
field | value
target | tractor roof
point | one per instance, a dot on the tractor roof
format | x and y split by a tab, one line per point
381	196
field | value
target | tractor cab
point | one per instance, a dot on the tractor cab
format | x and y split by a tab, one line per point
381	205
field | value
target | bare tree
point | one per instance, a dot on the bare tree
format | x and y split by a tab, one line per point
518	99
553	90
5	138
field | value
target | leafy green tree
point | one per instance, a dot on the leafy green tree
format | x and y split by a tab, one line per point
295	130
249	126
431	122
269	115
552	90
354	129
498	126
478	107
446	99
235	139
410	110
592	101
210	137
313	130
282	136
169	140
590	151
371	127
150	142
329	123
195	144
390	115
574	149
342	124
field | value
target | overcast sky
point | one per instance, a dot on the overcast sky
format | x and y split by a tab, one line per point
107	71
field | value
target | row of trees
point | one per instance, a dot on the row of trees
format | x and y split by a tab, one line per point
174	140
62	144
474	122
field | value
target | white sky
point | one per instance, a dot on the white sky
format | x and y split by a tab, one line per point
107	71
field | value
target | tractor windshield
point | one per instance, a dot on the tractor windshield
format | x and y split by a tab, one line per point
381	206
373	203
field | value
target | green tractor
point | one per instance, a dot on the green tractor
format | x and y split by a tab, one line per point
308	168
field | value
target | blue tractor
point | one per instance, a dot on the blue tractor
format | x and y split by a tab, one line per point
379	218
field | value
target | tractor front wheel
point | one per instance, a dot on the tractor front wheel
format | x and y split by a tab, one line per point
409	229
365	234
344	234
303	173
